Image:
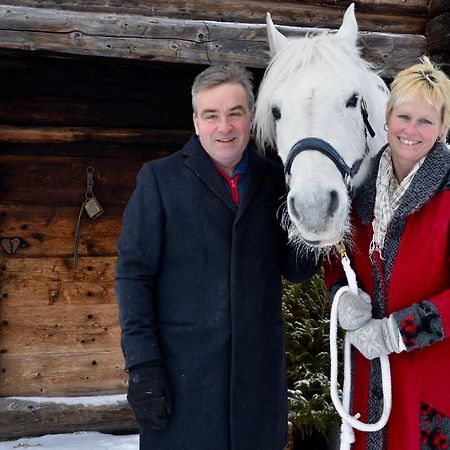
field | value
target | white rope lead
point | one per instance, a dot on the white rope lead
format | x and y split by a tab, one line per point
349	422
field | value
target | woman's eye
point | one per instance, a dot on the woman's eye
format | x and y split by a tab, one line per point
276	113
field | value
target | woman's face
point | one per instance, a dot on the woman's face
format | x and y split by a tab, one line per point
413	128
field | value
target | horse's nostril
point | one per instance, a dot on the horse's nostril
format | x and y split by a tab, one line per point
333	204
292	211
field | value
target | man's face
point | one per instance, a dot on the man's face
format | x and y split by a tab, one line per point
223	123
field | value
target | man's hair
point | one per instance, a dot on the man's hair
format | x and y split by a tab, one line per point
425	81
228	73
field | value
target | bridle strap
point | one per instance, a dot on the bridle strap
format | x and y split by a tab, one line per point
328	150
365	116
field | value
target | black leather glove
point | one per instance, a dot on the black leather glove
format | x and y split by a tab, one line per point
149	396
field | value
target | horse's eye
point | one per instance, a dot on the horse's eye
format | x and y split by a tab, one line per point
352	101
276	113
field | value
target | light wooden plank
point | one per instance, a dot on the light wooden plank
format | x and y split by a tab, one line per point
374	15
171	40
63	374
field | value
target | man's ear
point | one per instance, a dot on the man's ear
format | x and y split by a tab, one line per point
195	120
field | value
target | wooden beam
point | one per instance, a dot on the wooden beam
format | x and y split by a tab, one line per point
69	135
137	37
58	181
393	16
49	231
22	417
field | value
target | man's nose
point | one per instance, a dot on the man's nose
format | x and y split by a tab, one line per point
225	124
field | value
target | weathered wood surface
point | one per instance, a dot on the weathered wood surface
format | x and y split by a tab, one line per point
81	135
25	417
173	40
61	181
394	16
50	232
59	333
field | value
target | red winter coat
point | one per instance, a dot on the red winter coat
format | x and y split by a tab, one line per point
413	282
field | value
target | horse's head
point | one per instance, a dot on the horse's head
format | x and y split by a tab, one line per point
312	106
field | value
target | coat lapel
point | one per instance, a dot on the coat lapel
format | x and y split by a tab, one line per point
201	164
257	167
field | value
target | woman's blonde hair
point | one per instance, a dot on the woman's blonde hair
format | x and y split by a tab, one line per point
426	81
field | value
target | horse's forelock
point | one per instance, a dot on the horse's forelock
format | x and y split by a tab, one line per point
321	49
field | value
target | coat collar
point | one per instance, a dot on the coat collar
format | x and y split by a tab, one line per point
197	160
432	177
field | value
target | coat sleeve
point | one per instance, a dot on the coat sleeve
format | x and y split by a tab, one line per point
424	323
299	265
139	249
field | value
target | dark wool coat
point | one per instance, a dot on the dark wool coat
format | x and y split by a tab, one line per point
198	286
412	282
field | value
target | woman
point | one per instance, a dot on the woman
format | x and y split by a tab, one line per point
401	255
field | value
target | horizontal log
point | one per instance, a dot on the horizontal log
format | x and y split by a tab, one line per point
81	135
47	283
90	270
23	417
50	231
395	16
62	374
57	327
95	112
172	40
61	181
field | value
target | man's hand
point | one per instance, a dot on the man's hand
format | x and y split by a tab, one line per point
354	310
376	338
149	396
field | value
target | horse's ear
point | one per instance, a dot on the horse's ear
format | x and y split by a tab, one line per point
276	40
349	28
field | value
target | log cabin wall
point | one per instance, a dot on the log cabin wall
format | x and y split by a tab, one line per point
438	33
59	334
106	84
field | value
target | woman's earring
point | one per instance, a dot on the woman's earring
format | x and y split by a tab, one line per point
385	127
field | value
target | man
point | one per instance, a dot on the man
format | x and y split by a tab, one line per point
198	283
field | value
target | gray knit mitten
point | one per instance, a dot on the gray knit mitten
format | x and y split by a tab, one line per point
376	338
354	310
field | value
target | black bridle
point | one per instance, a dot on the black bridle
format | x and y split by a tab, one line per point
328	150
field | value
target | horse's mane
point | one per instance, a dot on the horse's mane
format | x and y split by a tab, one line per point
324	49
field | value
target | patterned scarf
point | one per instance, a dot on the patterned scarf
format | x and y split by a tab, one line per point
389	194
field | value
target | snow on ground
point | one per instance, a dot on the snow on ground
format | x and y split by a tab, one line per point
74	441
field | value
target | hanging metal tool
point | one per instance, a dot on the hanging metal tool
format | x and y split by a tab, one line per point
92	208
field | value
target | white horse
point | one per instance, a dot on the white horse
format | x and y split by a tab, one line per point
319	95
